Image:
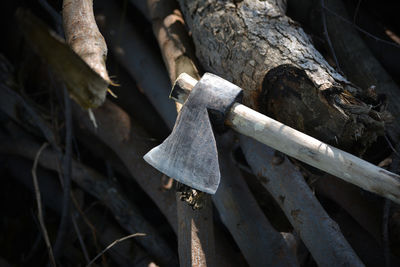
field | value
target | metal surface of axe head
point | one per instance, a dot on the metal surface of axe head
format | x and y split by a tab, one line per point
189	154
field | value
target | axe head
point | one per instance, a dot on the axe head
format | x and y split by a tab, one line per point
189	154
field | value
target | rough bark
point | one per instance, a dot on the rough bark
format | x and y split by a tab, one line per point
254	45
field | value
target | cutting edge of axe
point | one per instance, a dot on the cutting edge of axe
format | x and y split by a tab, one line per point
301	146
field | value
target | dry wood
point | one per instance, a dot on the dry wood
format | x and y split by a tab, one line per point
195	234
196	227
311	151
252	238
130	142
85	86
105	229
104	189
115	242
12	103
39	205
254	45
300	206
245	236
259	242
366	212
137	57
173	40
66	176
83	36
319	232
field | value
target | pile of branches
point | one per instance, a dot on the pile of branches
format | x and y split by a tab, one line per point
75	127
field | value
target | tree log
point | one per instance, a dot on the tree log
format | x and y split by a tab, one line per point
254	45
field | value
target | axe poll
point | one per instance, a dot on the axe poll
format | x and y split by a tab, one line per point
191	158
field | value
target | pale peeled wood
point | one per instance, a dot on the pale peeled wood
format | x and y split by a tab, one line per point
304	148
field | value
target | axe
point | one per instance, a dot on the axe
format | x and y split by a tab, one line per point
189	154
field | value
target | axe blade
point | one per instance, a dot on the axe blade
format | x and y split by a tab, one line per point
189	154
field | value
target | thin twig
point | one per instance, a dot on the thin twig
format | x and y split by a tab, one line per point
39	204
113	244
65	215
88	223
328	39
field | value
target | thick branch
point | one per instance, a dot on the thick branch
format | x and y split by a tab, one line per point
83	36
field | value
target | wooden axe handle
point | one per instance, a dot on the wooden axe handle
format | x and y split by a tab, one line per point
302	147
